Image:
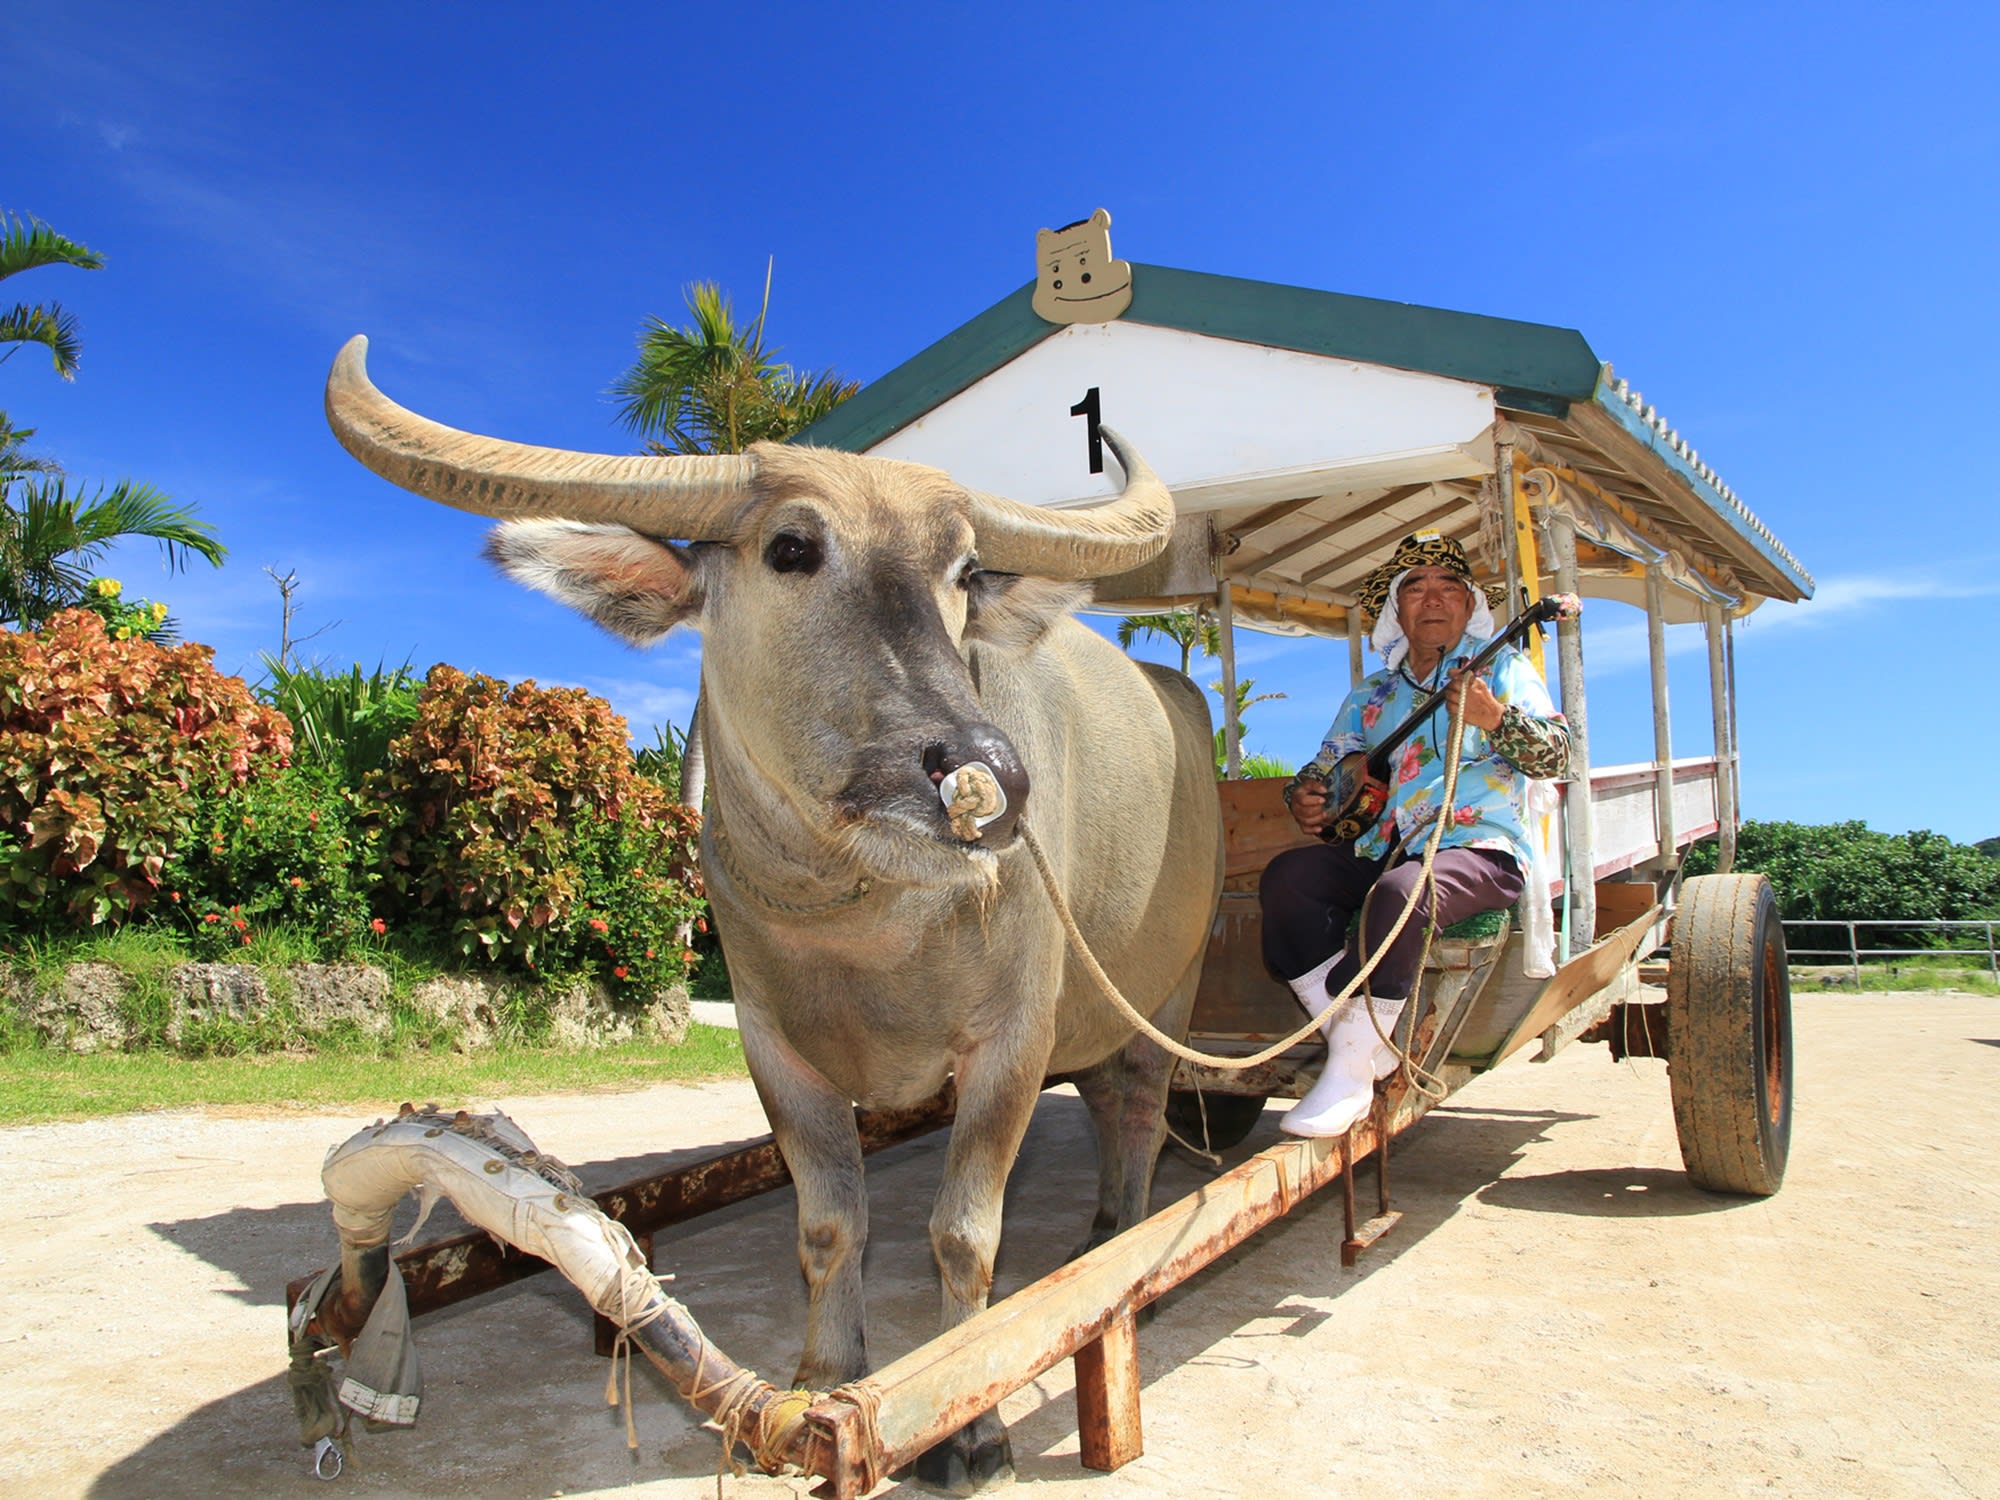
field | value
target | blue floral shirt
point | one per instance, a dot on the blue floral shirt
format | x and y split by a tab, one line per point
1489	810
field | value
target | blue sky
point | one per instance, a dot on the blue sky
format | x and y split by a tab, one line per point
1779	223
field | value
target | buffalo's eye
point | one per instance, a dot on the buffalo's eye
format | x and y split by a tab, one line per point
789	552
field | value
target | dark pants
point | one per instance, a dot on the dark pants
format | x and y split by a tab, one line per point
1310	895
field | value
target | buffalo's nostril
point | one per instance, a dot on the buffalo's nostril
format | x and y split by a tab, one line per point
936	761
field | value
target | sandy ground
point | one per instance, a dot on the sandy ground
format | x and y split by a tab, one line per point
1557	1314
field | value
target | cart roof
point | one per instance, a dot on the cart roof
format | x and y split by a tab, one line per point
1304	432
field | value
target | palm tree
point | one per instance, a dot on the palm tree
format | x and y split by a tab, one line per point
26	244
713	386
1186	628
1244	699
50	539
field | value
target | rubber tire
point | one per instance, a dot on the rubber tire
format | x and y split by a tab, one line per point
1729	1029
1230	1116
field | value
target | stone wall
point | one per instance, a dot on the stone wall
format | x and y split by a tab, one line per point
87	1011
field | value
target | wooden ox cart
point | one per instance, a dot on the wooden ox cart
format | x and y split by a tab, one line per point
1303	433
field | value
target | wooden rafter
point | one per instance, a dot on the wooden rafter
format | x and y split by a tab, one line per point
1400	529
1330	530
1239	532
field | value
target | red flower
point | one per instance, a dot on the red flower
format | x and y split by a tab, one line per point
598	924
619	972
173	895
1411	764
378	926
688	955
701	924
246	939
649	953
1465	816
1371	716
211	917
241	925
297	881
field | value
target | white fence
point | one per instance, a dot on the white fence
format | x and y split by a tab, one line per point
1853	953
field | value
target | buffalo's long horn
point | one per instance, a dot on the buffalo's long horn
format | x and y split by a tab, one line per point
694	498
1096	542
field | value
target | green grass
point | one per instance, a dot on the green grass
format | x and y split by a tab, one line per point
38	1085
1902	977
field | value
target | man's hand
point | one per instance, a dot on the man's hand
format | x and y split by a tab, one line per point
1481	707
1308	804
1315	805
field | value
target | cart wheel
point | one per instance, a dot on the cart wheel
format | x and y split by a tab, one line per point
1729	1023
1230	1116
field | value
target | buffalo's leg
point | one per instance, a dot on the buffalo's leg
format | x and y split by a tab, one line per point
816	1134
997	1090
1127	1098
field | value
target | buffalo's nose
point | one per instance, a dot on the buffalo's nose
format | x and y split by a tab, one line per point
985	744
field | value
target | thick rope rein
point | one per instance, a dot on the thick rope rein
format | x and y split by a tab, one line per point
1080	945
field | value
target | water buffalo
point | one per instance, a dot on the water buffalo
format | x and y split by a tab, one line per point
870	627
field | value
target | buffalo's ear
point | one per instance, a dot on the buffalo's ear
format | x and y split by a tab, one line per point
1012	611
632	585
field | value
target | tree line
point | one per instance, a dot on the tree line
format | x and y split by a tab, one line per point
1848	871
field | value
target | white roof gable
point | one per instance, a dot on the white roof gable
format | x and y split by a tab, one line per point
1224	423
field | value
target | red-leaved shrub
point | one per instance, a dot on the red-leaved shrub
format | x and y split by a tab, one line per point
106	749
514	824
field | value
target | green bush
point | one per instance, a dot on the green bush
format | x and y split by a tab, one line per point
285	848
662	760
107	748
343	722
512	822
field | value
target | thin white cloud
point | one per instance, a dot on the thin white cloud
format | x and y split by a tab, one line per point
1622	647
1974	579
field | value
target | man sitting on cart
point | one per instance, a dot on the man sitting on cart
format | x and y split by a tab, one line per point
1430	620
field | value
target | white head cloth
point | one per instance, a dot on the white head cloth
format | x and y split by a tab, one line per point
1388	637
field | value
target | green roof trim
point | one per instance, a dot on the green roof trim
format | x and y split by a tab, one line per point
1527	357
1533	367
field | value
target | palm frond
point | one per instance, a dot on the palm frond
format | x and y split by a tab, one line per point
47	324
26	244
130	509
15	460
51	540
713	386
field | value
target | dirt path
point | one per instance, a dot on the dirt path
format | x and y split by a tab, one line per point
1558	1313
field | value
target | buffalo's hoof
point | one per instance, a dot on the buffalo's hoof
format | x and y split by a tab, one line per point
976	1457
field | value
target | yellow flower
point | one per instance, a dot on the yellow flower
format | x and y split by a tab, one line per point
159	612
108	588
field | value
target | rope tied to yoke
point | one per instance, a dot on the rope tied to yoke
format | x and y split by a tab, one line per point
1427	880
749	1410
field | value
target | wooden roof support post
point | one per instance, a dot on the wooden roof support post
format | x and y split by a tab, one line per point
1503	474
1579	817
1525	587
1232	731
1717	623
1735	740
1663	742
1355	636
